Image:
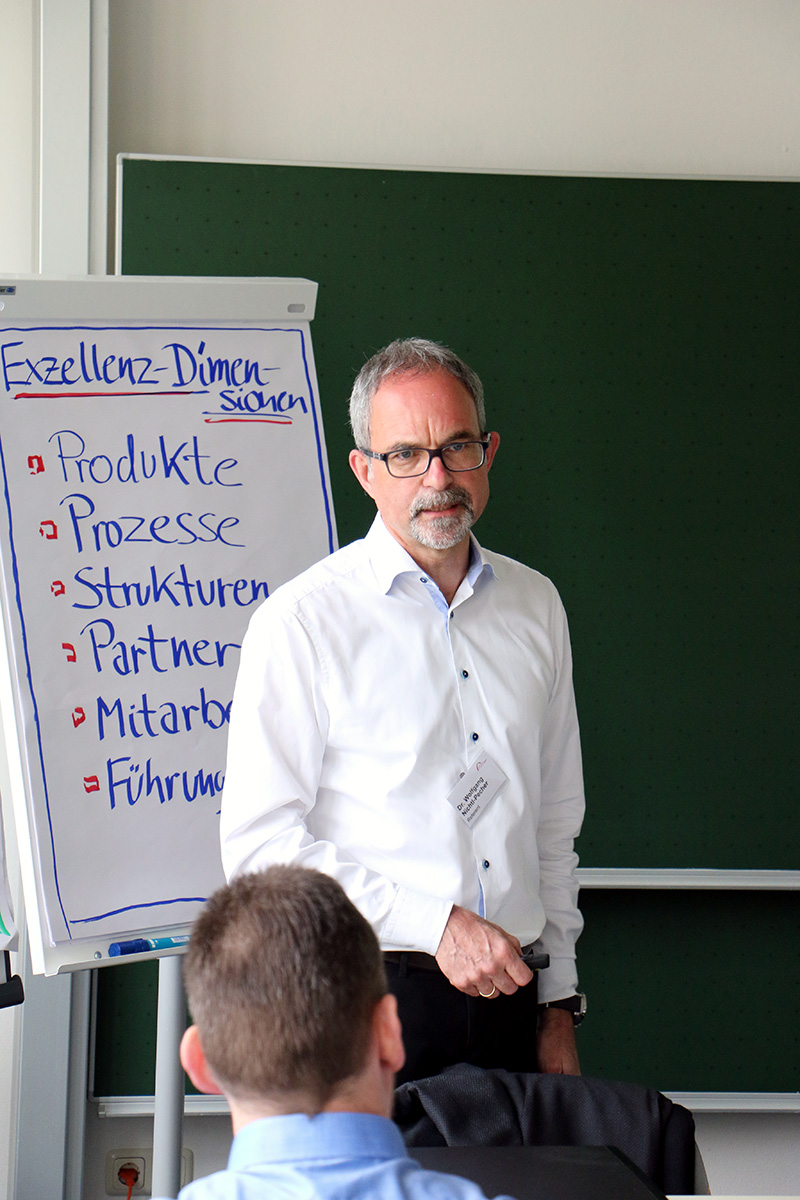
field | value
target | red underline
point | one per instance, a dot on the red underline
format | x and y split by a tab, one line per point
246	420
95	395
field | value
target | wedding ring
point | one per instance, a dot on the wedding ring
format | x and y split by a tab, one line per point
487	995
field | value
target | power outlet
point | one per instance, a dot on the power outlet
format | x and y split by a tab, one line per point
116	1159
142	1159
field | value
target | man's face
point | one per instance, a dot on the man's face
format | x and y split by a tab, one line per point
437	509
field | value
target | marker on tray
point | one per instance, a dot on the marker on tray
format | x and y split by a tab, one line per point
143	945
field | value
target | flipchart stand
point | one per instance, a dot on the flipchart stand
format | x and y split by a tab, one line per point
169	1089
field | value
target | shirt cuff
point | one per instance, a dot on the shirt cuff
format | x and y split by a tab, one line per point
416	922
558	981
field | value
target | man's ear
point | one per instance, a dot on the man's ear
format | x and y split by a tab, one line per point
491	449
389	1033
359	465
193	1061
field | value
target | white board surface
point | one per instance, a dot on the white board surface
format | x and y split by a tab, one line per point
163	468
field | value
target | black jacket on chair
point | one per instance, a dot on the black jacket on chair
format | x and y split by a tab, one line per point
469	1106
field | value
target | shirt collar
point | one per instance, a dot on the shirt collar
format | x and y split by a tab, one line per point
390	560
297	1137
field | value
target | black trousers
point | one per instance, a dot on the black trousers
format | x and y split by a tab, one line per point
442	1026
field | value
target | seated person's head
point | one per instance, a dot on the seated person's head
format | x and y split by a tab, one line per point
287	990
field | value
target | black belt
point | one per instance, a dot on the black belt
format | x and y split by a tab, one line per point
411	958
426	962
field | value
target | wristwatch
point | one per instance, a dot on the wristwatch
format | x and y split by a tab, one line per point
575	1004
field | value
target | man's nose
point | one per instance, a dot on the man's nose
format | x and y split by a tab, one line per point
437	474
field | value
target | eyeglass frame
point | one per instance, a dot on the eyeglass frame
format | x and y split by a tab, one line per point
438	452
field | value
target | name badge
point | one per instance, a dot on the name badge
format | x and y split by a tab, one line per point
476	789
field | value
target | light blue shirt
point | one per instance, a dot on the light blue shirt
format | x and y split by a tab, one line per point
332	1156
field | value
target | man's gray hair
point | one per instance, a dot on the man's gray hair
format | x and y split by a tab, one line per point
407	356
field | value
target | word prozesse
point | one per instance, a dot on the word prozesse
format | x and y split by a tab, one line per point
182	529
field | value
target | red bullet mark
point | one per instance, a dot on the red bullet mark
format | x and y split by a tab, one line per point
35	464
71	655
91	783
51	525
57	587
78	717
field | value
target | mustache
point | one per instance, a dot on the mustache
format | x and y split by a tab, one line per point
430	500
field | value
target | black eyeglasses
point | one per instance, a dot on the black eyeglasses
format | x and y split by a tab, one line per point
416	460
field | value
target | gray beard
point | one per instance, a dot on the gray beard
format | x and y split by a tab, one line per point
441	533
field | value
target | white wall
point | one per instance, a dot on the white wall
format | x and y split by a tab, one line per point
16	137
17	235
702	87
10	1021
751	1153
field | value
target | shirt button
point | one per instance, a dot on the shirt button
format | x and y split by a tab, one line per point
474	737
465	674
486	864
423	579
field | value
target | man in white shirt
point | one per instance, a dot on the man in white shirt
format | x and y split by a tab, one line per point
404	720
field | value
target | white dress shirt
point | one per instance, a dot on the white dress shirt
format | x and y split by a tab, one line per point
360	699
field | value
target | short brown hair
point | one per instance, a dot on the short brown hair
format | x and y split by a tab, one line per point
283	974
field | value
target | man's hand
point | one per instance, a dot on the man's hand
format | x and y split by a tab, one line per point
555	1043
480	958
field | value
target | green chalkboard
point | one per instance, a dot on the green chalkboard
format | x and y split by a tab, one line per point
638	343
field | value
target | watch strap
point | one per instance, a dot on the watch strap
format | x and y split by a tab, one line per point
575	1004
